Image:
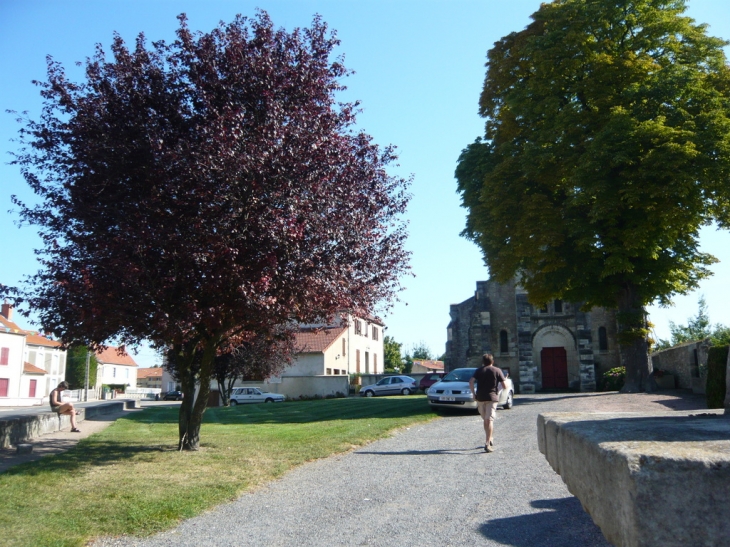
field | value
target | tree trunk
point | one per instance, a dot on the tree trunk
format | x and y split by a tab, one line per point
633	330
193	408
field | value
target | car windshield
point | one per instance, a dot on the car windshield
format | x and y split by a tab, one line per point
459	375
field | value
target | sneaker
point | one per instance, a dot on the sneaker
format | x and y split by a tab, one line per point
75	430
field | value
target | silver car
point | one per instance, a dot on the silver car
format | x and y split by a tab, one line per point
391	385
243	395
453	391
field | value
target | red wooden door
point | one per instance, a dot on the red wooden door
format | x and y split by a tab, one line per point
554	368
4	387
31	391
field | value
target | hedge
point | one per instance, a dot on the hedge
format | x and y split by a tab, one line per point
716	375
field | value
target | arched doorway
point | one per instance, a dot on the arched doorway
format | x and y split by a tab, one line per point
554	364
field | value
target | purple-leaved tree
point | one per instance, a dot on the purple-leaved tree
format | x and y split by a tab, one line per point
196	192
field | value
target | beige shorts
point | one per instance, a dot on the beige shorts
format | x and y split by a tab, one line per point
487	409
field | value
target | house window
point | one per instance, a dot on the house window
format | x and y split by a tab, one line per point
367	362
343	347
602	339
4	387
357	360
337	371
329	371
358	326
375	363
503	342
31	391
375	333
4	356
365	333
114	372
544	308
558	306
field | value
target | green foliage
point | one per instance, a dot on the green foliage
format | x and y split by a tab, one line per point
392	350
421	352
76	367
606	148
613	380
697	328
716	376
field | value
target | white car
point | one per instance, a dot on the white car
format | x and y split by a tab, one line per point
390	385
453	391
243	395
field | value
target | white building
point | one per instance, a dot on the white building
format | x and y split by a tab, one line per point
324	350
115	369
31	365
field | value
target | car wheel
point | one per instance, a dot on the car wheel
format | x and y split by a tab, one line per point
369	393
508	402
234	402
269	400
406	391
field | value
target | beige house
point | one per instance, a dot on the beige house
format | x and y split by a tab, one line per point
31	365
150	377
427	366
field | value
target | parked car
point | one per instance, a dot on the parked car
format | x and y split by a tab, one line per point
430	379
243	395
453	391
390	385
173	396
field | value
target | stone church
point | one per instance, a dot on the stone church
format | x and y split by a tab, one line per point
557	346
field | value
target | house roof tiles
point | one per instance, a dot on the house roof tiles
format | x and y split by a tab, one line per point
149	373
317	340
32	369
431	365
111	356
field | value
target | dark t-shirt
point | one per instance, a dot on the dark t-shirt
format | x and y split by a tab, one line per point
488	380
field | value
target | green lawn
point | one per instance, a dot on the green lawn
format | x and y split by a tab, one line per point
130	479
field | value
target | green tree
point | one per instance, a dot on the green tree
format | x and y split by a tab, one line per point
419	352
76	367
392	350
607	147
697	328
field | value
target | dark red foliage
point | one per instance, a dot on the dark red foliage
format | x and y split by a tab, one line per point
205	188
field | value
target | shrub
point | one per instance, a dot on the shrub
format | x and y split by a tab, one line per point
716	376
613	380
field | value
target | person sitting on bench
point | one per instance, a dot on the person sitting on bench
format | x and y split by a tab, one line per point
64	408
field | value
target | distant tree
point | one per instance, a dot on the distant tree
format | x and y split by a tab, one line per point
419	352
262	356
76	367
196	192
697	328
392	350
606	149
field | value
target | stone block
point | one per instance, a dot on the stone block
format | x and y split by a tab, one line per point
646	479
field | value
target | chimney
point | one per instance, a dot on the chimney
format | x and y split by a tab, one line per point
7	311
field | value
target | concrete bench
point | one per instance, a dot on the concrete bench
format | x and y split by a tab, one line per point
646	479
18	429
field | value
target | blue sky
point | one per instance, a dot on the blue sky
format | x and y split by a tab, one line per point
419	68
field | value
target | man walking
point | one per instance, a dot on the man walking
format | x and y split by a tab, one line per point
488	378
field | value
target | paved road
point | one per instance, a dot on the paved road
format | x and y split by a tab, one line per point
429	485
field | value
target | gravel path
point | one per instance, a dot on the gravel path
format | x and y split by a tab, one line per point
426	485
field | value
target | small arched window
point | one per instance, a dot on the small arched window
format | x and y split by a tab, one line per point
503	342
602	339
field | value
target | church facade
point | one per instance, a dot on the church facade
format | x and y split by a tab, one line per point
556	346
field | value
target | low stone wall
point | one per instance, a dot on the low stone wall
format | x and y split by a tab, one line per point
295	387
18	429
686	363
646	479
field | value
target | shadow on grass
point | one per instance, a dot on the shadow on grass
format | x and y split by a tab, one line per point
560	523
85	454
